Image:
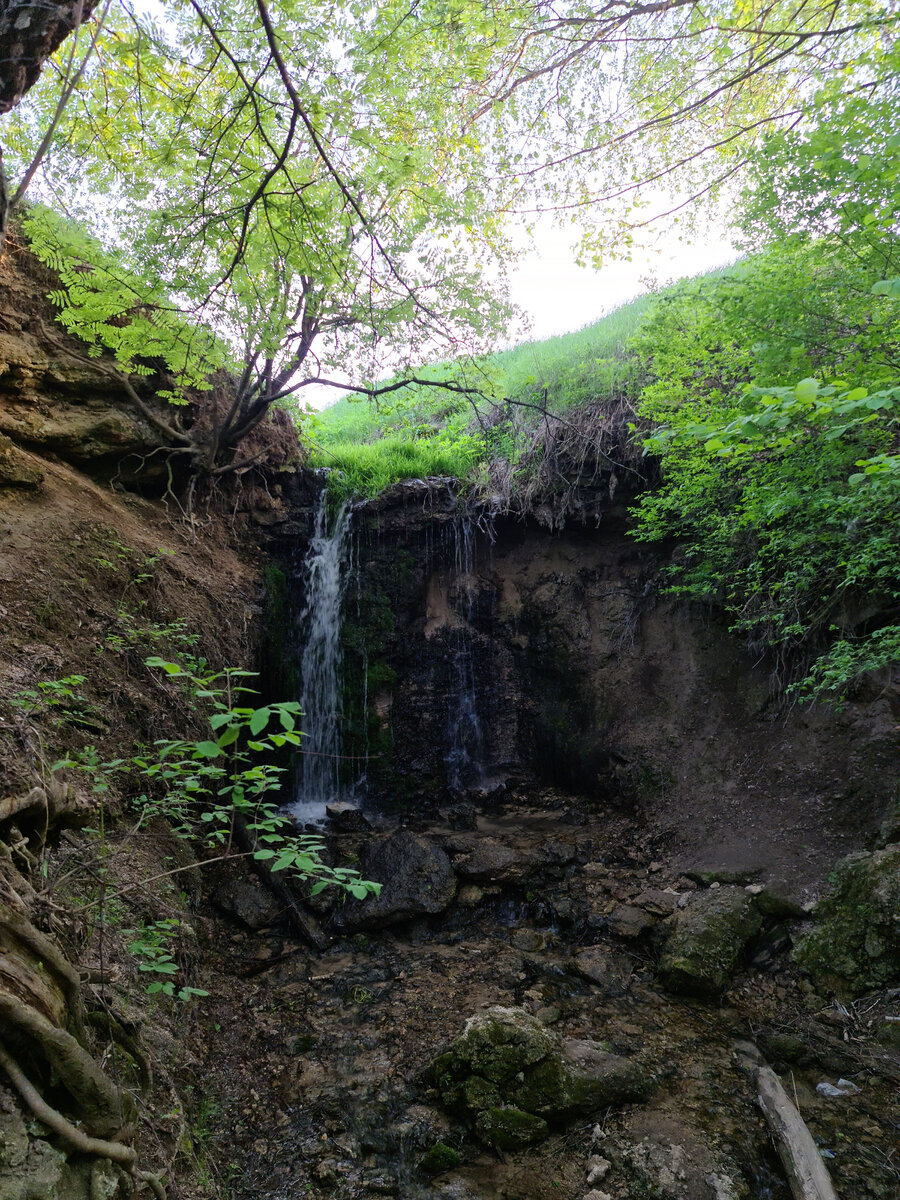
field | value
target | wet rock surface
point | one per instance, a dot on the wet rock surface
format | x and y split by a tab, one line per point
416	880
706	940
608	1067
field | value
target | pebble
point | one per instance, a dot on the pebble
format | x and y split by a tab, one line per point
595	1195
597	1168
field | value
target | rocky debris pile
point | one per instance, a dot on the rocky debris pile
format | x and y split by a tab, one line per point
855	944
514	1078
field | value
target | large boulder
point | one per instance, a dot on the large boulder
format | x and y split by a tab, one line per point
706	939
416	881
514	1078
855	944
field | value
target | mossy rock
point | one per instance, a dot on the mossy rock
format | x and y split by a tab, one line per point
439	1158
855	945
706	941
509	1128
497	1045
507	1061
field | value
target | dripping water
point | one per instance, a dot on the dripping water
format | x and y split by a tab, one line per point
464	758
324	579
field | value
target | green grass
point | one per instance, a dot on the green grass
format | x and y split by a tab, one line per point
367	468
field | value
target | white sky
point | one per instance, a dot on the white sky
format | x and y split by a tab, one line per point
560	296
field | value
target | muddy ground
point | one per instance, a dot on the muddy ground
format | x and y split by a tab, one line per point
328	1054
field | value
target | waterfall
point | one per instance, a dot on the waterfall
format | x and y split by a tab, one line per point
465	737
324	580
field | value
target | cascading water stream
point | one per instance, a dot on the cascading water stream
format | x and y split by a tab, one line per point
465	737
324	578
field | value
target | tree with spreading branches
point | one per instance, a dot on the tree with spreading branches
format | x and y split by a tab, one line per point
274	197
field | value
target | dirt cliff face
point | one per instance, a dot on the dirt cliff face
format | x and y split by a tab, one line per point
586	678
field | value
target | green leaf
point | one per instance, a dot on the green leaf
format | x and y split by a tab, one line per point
206	750
231	735
807	390
887	287
260	720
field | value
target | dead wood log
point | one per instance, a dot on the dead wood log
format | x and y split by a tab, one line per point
303	921
806	1172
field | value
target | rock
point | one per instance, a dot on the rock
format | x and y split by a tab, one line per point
381	1185
495	1045
16	470
855	945
506	1061
595	964
509	1128
595	1195
346	817
609	971
706	940
463	816
887	1032
598	1078
779	898
627	921
492	861
597	1168
657	902
470	895
833	1091
416	877
783	1047
889	832
248	903
737	876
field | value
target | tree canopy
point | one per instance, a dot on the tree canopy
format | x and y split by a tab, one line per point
258	198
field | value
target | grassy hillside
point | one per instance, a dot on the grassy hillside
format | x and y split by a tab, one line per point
421	431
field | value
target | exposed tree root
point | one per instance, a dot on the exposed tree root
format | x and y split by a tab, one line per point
11	806
96	1096
52	958
117	1152
110	1024
80	1141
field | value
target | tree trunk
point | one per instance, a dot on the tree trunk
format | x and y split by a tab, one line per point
30	30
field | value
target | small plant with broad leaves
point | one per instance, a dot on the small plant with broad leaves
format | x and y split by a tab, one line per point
152	945
63	695
214	789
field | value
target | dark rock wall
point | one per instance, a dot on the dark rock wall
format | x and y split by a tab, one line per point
589	680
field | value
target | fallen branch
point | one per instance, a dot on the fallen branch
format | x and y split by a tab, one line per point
806	1172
